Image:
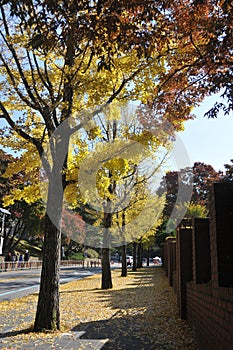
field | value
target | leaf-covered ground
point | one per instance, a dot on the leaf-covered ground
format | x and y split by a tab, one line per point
138	313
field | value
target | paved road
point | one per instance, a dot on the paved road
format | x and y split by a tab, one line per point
18	283
15	284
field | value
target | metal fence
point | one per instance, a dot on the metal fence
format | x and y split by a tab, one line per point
37	264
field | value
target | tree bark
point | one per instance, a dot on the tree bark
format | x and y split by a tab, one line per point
124	264
123	248
148	257
139	259
134	256
106	269
48	314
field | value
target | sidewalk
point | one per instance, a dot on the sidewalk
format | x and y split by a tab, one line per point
138	313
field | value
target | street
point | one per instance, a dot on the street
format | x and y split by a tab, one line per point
16	284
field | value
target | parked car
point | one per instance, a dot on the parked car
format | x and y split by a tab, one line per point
129	260
157	261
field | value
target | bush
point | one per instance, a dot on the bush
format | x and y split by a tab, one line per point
76	256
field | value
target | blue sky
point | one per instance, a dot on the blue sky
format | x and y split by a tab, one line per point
209	140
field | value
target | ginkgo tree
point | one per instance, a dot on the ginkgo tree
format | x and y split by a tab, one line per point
44	87
117	178
61	62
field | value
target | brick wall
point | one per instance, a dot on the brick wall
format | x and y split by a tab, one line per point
204	272
211	318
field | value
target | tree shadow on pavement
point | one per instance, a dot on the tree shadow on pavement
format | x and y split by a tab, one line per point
128	327
15	333
122	332
146	317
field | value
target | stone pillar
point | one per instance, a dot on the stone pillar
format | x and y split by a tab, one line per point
183	266
221	234
165	262
201	251
171	259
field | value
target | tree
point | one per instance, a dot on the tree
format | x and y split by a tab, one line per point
162	233
204	176
53	60
201	175
228	176
217	68
175	184
6	184
62	59
121	179
195	210
25	220
204	64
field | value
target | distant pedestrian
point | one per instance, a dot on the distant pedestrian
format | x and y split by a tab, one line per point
20	262
26	258
14	258
8	259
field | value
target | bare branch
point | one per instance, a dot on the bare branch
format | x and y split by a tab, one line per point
19	131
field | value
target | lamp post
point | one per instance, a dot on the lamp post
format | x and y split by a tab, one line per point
4	213
101	247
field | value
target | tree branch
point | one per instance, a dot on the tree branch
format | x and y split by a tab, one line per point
19	131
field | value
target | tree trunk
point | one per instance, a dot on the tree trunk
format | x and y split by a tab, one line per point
48	314
123	248
134	256
148	257
106	269
139	260
124	264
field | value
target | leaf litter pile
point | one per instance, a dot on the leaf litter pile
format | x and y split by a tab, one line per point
140	312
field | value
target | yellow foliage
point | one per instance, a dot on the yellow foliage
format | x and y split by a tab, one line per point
94	132
118	167
71	194
29	194
91	88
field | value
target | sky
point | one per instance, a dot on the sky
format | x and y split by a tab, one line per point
209	140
